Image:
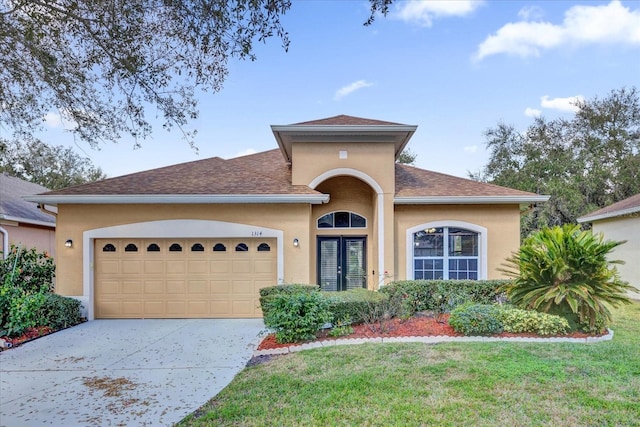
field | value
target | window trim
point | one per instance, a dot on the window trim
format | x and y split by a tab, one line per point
482	244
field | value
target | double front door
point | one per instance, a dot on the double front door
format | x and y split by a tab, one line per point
342	263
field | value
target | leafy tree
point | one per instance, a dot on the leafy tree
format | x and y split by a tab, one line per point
104	65
566	271
52	167
583	163
407	157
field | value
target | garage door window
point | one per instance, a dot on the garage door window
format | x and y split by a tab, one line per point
175	248
109	248
197	247
263	247
153	248
242	247
219	247
131	248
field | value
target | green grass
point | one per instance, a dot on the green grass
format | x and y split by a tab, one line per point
412	384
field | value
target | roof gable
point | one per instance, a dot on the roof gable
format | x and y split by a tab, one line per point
344	120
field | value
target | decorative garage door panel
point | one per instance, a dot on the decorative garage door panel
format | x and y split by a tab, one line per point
181	278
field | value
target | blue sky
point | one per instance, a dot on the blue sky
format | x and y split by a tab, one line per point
453	68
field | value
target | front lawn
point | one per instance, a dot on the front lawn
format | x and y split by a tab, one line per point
480	384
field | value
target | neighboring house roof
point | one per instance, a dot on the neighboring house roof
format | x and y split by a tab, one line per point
13	207
266	178
623	207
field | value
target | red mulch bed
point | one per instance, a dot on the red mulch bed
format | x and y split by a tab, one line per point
417	326
29	335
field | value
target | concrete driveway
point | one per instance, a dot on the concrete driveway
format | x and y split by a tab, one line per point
123	372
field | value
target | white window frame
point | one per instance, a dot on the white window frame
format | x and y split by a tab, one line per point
482	245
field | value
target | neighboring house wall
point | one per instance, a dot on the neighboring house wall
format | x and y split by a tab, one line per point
74	220
30	236
502	224
624	228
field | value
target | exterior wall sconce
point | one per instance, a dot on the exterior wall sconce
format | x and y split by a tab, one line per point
68	243
296	242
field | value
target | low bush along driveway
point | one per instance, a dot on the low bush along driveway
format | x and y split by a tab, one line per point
480	384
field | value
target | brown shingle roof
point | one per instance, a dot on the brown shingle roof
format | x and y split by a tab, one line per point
627	206
267	173
347	121
415	182
262	173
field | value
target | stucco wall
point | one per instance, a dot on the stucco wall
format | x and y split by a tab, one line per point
42	238
501	221
73	220
624	228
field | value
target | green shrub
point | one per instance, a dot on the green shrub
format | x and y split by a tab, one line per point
566	271
441	296
476	319
353	303
23	313
59	312
516	320
297	316
27	269
268	294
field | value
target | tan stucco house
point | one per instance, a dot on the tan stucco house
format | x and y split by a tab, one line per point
21	222
329	205
621	221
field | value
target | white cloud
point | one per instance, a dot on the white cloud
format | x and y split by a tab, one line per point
561	104
471	149
59	121
530	13
245	152
347	90
611	23
424	12
532	112
53	120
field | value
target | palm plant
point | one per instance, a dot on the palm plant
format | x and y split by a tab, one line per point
564	270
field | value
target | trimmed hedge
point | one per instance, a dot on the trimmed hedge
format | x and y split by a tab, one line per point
293	288
442	296
353	304
297	316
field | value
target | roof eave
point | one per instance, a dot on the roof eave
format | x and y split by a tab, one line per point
178	199
28	221
468	200
607	215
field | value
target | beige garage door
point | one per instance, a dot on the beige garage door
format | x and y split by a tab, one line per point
162	278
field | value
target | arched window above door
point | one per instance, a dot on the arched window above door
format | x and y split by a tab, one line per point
342	219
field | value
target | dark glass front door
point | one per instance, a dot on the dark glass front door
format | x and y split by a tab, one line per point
342	263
